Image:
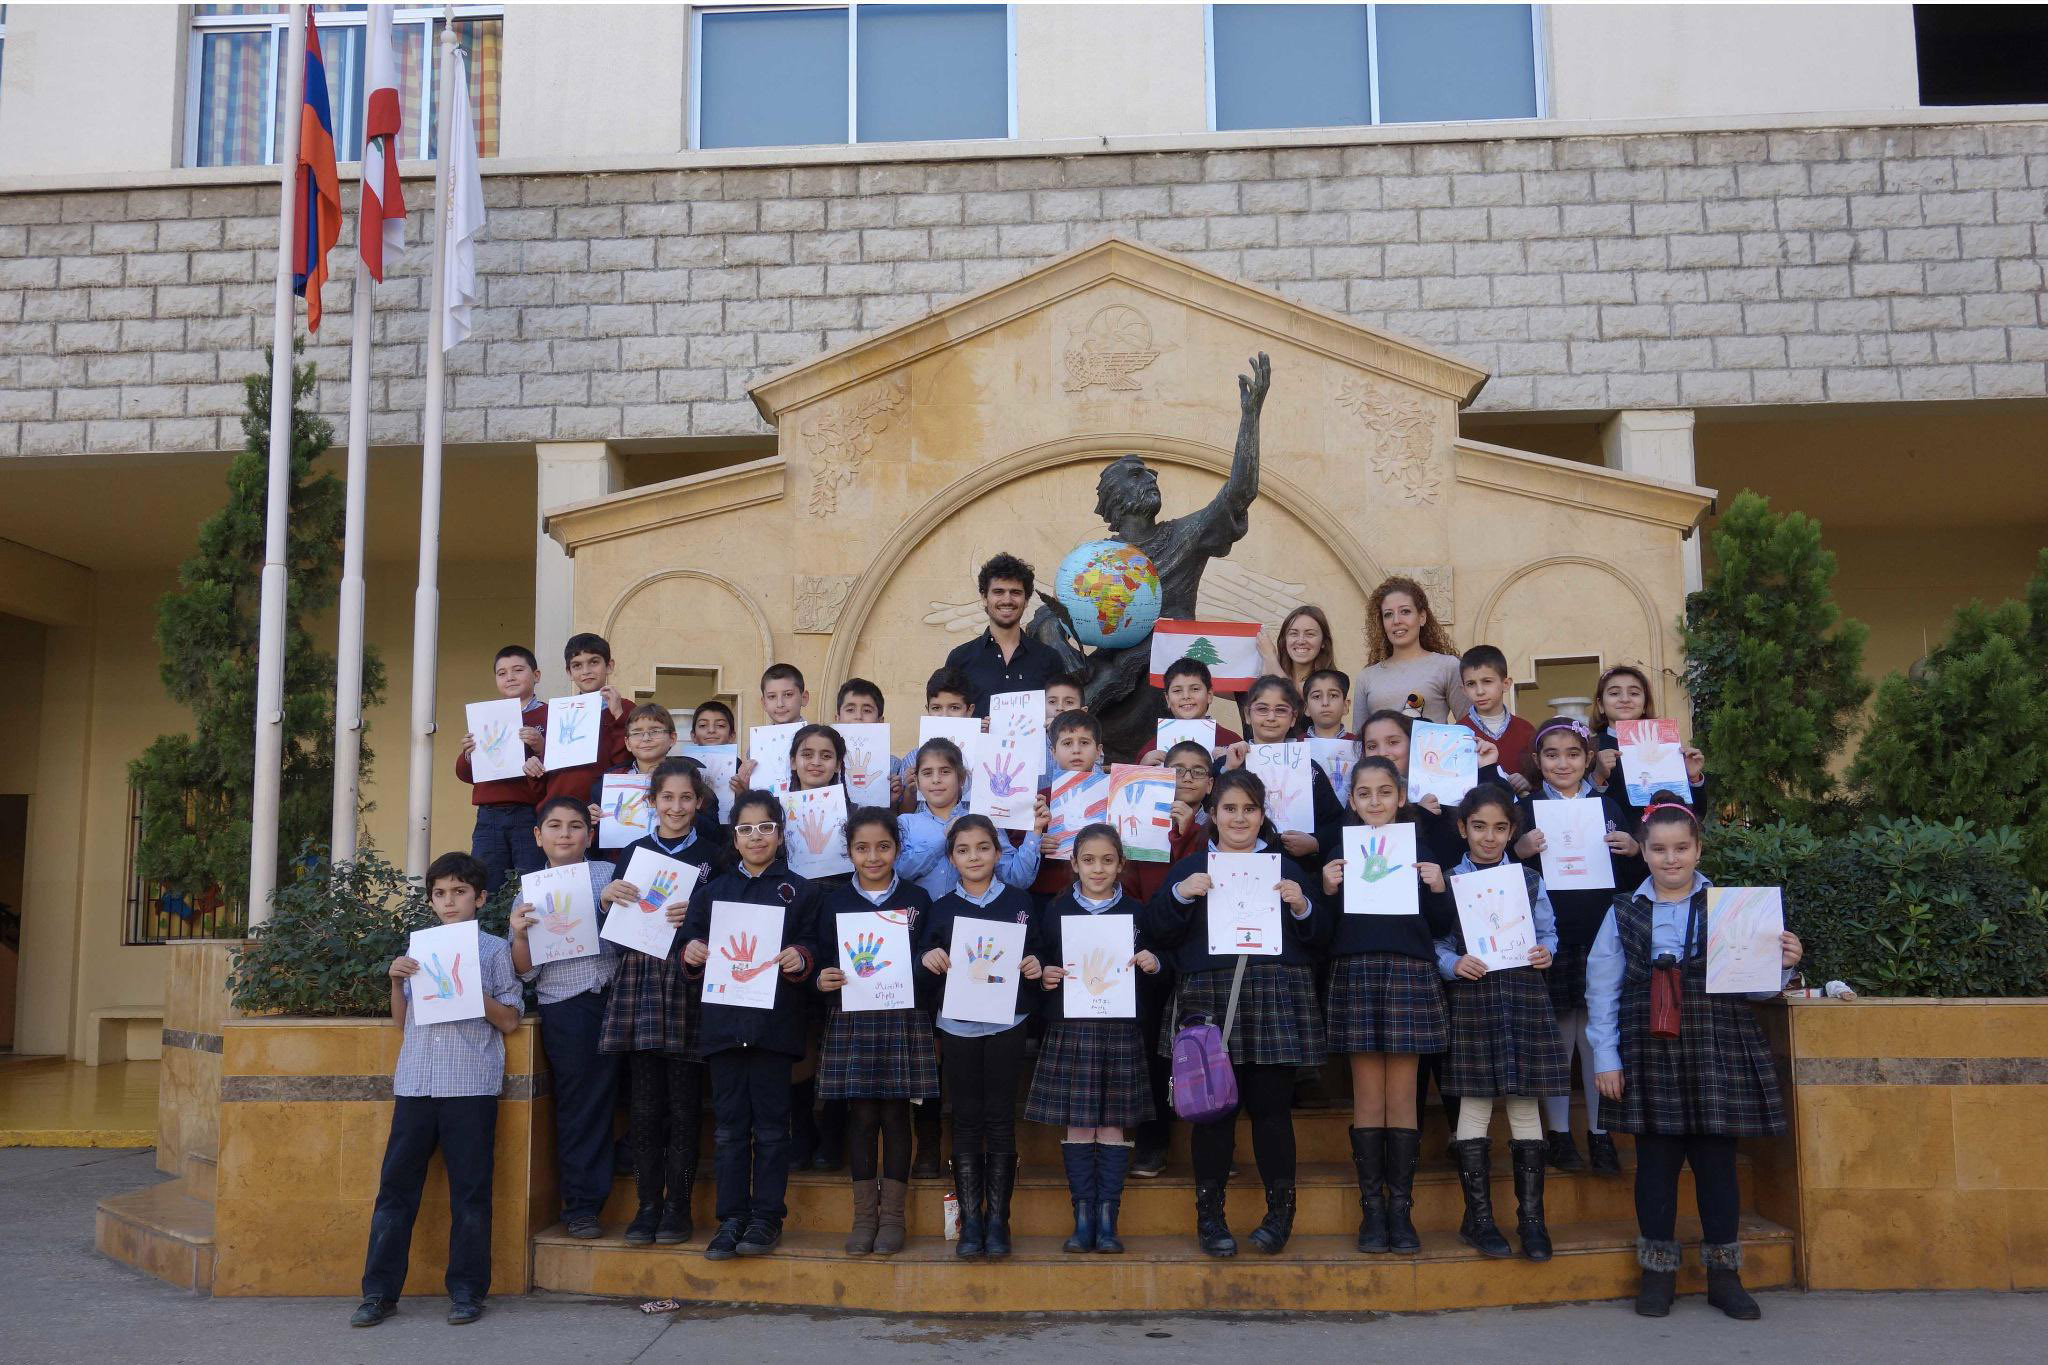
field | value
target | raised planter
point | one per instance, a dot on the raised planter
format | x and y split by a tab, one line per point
1918	1143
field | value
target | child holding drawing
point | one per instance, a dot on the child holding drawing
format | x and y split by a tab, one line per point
1092	1074
1686	1098
1560	755
1386	1008
650	734
1503	1041
1276	1028
878	1062
652	1018
749	1051
1623	694
982	1059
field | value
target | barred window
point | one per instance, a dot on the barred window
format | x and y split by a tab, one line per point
156	914
236	78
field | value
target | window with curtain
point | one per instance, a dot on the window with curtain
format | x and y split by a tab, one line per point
1319	66
237	76
798	76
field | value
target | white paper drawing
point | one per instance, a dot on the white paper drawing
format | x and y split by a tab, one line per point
1652	759
625	814
450	982
1200	730
1443	761
1575	853
1744	928
1290	775
1244	908
662	882
562	897
768	748
987	958
874	952
815	837
1379	871
1005	781
721	763
745	942
573	723
1493	913
1096	952
867	763
1337	758
494	725
1019	716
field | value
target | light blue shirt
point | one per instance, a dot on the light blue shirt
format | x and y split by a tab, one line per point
459	1057
977	1028
554	982
1545	918
921	854
876	898
1605	962
689	837
1096	907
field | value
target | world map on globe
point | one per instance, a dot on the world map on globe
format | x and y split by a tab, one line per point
1111	590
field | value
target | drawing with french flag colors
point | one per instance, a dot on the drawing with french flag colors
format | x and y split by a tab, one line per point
1076	800
1141	809
1230	649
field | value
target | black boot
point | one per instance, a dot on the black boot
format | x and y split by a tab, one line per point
1079	1158
1002	1181
1562	1154
1271	1235
970	1188
1724	1281
1404	1149
1659	1261
1529	1229
1368	1154
646	1219
1211	1228
1112	1164
675	1210
1606	1160
1475	1175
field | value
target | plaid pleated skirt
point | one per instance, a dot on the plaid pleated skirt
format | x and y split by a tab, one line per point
652	1008
1504	1037
1277	1021
1091	1074
1715	1078
1566	977
878	1055
1386	1002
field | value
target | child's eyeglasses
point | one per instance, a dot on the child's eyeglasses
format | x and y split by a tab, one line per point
765	827
1189	770
648	733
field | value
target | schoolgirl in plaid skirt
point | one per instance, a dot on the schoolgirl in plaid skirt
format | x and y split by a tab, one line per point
1092	1073
1503	1040
1687	1099
651	1016
876	1061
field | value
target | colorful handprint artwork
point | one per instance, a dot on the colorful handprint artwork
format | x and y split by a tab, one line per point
1493	915
981	983
1443	761
874	953
446	981
1745	947
1006	782
498	755
867	763
816	839
1075	801
1379	871
1019	716
1652	759
573	723
663	883
1141	810
567	908
625	817
1288	771
746	944
446	985
1100	981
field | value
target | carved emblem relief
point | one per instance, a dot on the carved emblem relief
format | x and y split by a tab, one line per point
819	600
1436	581
1403	437
1110	348
841	436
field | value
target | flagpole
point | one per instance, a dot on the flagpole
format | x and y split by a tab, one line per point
426	614
269	773
348	681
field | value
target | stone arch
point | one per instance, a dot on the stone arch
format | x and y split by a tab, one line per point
748	611
1486	627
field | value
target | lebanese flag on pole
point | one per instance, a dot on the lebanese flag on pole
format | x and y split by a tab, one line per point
382	224
1229	648
319	188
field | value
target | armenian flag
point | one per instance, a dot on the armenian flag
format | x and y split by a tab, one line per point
319	188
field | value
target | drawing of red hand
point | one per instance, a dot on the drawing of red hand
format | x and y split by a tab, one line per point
861	955
739	951
560	917
658	891
982	954
815	831
1004	770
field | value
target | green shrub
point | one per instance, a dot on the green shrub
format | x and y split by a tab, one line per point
326	950
1900	907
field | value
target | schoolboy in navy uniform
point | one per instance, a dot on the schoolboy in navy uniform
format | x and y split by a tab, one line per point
445	1087
503	838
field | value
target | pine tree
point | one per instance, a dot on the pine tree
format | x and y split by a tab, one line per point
1773	667
195	788
1202	651
1961	736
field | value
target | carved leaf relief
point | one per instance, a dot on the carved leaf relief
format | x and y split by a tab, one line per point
1403	437
841	436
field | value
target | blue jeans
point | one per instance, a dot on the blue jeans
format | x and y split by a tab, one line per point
465	1129
503	842
584	1082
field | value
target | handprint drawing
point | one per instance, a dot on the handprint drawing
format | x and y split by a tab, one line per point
1017	724
570	730
658	891
982	955
630	808
861	955
492	740
1003	773
813	828
1096	971
1376	866
447	981
559	916
739	950
1281	788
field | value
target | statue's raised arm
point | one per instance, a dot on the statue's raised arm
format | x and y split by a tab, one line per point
1227	517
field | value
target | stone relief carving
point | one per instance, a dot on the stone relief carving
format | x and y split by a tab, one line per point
819	600
1110	348
1404	437
1436	581
841	436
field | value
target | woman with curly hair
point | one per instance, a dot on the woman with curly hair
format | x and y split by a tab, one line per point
1411	666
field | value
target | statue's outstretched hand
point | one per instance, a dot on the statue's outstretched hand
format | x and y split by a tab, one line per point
1251	389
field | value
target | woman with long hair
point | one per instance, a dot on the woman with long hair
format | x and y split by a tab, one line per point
1411	665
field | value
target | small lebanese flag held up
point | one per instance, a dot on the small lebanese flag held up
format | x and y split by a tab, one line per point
382	225
319	189
1229	648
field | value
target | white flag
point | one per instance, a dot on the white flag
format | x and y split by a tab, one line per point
465	216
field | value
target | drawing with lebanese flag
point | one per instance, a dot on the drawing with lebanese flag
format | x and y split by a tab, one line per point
1229	648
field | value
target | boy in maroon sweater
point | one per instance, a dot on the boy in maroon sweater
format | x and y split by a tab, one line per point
1484	670
503	838
589	660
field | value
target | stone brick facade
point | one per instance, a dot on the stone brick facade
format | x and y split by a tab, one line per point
1586	273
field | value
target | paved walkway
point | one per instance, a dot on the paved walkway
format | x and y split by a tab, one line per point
51	1102
68	1304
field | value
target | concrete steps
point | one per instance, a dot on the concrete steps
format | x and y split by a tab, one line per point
162	1230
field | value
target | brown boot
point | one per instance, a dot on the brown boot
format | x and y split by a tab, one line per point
861	1240
889	1228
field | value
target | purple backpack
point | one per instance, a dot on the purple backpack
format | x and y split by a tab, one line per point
1204	1085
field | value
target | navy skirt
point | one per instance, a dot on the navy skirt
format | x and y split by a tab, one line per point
1504	1037
1386	1002
1091	1074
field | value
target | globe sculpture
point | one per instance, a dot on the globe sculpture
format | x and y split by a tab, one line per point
1111	590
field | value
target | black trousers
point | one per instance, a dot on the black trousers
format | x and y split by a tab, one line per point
503	842
883	1123
666	1119
981	1085
465	1129
750	1130
1267	1094
583	1081
1658	1159
1154	994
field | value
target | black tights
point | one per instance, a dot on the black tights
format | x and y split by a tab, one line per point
666	1120
870	1120
981	1084
1658	1159
1267	1094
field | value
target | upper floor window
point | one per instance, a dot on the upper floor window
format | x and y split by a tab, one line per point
805	75
1982	54
235	78
1318	66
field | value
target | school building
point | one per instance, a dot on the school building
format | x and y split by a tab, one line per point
1796	248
